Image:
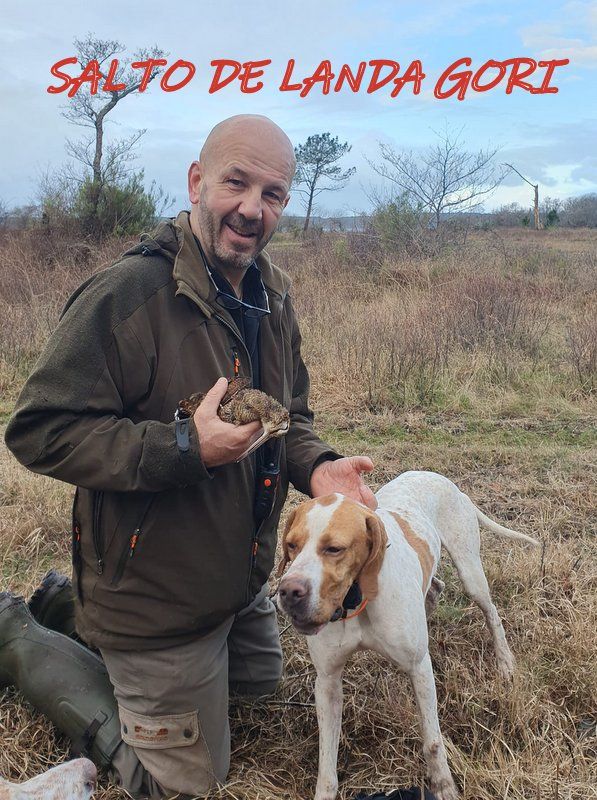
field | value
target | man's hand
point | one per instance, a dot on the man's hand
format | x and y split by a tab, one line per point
344	476
220	442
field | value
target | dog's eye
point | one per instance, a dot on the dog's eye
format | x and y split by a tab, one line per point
291	545
333	551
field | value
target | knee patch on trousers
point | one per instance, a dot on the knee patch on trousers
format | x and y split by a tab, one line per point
172	749
159	733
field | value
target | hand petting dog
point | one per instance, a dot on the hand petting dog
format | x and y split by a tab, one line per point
344	476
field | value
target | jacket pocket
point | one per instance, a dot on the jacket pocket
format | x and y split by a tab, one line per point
130	545
96	530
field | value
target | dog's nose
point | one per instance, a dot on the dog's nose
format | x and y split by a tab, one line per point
293	591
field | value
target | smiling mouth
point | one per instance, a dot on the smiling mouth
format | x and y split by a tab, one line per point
244	234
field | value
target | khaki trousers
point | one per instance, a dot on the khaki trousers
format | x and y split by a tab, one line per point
173	703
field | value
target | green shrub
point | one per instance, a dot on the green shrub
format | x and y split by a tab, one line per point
119	208
400	226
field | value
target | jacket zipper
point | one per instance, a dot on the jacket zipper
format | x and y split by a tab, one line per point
129	550
255	538
259	528
76	542
236	362
257	531
235	351
98	499
253	561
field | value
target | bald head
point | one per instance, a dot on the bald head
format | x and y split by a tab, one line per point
259	132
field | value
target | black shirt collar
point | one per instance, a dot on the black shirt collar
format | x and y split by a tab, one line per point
252	285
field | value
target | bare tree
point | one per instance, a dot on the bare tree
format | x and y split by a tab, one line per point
316	161
444	178
107	164
536	188
4	214
509	215
581	211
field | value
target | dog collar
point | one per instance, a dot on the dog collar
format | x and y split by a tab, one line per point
352	600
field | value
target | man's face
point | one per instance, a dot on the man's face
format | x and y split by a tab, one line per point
238	196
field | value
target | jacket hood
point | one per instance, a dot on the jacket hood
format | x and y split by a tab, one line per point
174	239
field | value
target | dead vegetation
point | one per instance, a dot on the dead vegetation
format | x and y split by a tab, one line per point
467	366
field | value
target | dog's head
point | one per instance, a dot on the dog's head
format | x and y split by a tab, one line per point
74	780
329	543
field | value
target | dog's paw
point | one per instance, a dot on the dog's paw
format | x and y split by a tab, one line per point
444	788
506	664
326	791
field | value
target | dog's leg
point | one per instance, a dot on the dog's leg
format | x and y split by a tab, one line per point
433	594
440	778
470	570
459	533
328	701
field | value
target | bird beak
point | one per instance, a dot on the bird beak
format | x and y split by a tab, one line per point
265	435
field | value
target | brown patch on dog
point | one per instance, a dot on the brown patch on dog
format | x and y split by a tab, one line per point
346	529
326	500
362	534
420	547
379	541
352	527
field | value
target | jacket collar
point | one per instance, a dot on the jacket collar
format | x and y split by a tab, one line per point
175	237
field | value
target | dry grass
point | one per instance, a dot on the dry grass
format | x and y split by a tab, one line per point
507	420
501	318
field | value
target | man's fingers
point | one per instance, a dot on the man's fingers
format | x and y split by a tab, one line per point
369	498
362	463
212	399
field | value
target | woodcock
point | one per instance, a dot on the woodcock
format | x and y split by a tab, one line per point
241	405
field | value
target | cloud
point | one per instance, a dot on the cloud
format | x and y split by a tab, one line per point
562	161
570	33
344	31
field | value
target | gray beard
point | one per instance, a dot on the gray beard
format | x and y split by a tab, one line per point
227	258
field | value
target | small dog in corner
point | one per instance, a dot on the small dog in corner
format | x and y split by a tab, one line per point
359	580
73	780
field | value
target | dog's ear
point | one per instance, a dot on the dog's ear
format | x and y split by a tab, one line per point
378	540
285	556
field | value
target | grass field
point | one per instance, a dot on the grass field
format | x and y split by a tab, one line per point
481	365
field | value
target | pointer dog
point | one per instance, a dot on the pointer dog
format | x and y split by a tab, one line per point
73	780
332	542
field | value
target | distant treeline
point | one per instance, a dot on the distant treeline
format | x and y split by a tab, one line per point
574	212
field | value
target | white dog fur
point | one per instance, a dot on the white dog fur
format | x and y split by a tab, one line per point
393	553
73	780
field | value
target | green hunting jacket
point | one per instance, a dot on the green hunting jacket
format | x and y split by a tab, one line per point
163	548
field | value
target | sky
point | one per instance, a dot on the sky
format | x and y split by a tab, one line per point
550	138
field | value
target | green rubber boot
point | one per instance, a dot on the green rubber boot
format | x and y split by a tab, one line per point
52	604
61	679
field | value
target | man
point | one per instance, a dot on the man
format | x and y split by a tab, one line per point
170	564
